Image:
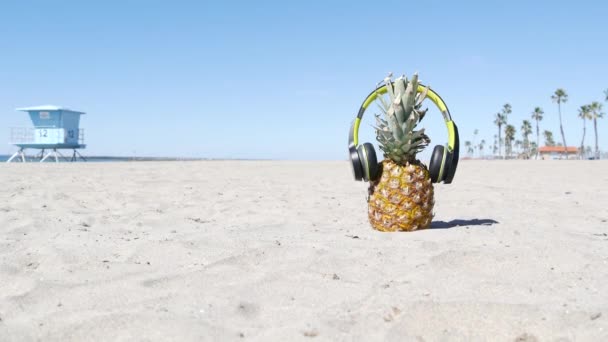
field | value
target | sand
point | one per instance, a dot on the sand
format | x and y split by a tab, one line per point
282	251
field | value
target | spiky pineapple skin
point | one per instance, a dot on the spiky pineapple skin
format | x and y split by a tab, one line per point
402	198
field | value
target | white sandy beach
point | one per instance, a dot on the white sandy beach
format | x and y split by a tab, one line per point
282	251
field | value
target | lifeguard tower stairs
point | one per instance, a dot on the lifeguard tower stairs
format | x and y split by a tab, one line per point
55	128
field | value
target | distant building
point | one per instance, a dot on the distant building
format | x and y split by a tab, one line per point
557	152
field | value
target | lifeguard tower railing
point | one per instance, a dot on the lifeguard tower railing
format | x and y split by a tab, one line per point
48	136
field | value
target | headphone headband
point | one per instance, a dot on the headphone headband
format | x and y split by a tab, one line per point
437	100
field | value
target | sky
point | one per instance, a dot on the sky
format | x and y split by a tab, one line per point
284	79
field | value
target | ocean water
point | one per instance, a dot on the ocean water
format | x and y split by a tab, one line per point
4	158
96	159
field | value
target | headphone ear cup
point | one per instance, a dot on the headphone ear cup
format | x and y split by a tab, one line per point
369	162
447	167
355	163
435	164
452	159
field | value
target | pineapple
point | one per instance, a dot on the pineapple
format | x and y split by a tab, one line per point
402	197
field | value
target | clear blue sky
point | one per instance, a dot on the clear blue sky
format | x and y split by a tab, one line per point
280	79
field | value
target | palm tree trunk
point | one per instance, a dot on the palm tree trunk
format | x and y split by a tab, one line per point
583	141
499	143
537	140
561	128
597	150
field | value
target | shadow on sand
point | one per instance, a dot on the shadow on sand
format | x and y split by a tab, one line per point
457	223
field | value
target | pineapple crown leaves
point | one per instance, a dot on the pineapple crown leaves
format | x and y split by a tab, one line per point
395	133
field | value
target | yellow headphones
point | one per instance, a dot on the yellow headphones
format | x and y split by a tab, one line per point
444	159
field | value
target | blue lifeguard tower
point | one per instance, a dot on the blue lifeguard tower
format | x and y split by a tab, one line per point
55	128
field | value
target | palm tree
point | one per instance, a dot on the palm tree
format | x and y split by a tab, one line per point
506	110
533	148
500	120
475	140
537	115
467	144
585	114
596	113
494	146
560	96
549	138
526	130
509	136
518	146
481	145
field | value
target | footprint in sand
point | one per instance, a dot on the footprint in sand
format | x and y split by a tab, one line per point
248	310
